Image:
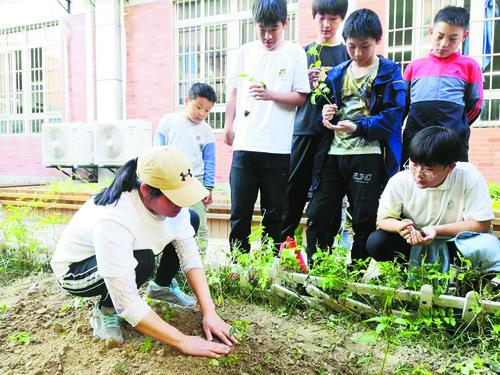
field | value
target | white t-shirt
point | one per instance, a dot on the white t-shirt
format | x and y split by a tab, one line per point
178	131
462	196
268	127
113	232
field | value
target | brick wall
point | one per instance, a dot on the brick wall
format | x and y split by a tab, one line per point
378	7
22	154
150	60
484	152
307	32
77	69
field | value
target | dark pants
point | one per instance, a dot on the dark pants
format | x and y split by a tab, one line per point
83	277
304	148
385	246
358	177
252	172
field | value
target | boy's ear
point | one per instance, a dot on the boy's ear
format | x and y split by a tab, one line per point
450	167
430	30
466	34
186	100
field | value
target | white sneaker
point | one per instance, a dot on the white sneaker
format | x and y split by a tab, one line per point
171	294
106	324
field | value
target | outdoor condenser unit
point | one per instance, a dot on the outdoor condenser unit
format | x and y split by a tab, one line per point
67	144
116	142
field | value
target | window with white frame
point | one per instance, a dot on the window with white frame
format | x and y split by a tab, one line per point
408	39
208	34
30	87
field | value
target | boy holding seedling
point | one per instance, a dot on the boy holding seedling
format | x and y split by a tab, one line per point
444	88
189	132
363	144
268	82
324	53
436	197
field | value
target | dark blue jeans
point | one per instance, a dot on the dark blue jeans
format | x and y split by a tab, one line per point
251	173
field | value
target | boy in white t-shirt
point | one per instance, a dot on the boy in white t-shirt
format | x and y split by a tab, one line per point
268	82
435	197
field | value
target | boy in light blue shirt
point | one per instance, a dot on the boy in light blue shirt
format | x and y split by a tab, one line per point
189	132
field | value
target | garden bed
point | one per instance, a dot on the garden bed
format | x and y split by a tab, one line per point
58	340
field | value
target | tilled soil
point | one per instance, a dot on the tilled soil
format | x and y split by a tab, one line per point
62	342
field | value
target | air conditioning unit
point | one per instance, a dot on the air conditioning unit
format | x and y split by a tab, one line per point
67	144
116	142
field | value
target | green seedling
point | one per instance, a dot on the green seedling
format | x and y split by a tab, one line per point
23	338
64	309
239	328
147	345
255	81
3	311
214	362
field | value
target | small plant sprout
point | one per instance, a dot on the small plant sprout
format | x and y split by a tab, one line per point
321	91
3	310
320	88
147	345
255	81
22	338
214	362
239	328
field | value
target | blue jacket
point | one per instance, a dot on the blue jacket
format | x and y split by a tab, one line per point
387	107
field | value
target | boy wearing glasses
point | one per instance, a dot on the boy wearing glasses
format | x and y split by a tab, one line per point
435	197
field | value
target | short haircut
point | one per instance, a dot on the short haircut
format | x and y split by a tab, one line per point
435	146
362	23
202	90
330	7
269	12
455	16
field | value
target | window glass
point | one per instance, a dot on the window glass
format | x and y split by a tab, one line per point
30	82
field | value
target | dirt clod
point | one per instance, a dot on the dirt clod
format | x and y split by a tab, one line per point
58	328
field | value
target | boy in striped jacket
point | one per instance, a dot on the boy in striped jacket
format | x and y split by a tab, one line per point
446	87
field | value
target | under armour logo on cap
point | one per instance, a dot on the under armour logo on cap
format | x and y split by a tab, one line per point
184	175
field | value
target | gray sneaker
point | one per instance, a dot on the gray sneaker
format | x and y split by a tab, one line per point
171	294
106	324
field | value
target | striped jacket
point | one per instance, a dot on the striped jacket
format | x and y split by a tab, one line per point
446	92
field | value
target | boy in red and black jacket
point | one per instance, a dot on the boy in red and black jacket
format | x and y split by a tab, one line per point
446	87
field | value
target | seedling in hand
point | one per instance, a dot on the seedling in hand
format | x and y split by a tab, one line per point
256	82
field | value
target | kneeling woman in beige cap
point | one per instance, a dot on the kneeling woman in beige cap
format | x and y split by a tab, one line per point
108	249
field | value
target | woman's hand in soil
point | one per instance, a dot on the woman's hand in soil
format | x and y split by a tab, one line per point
198	346
214	325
